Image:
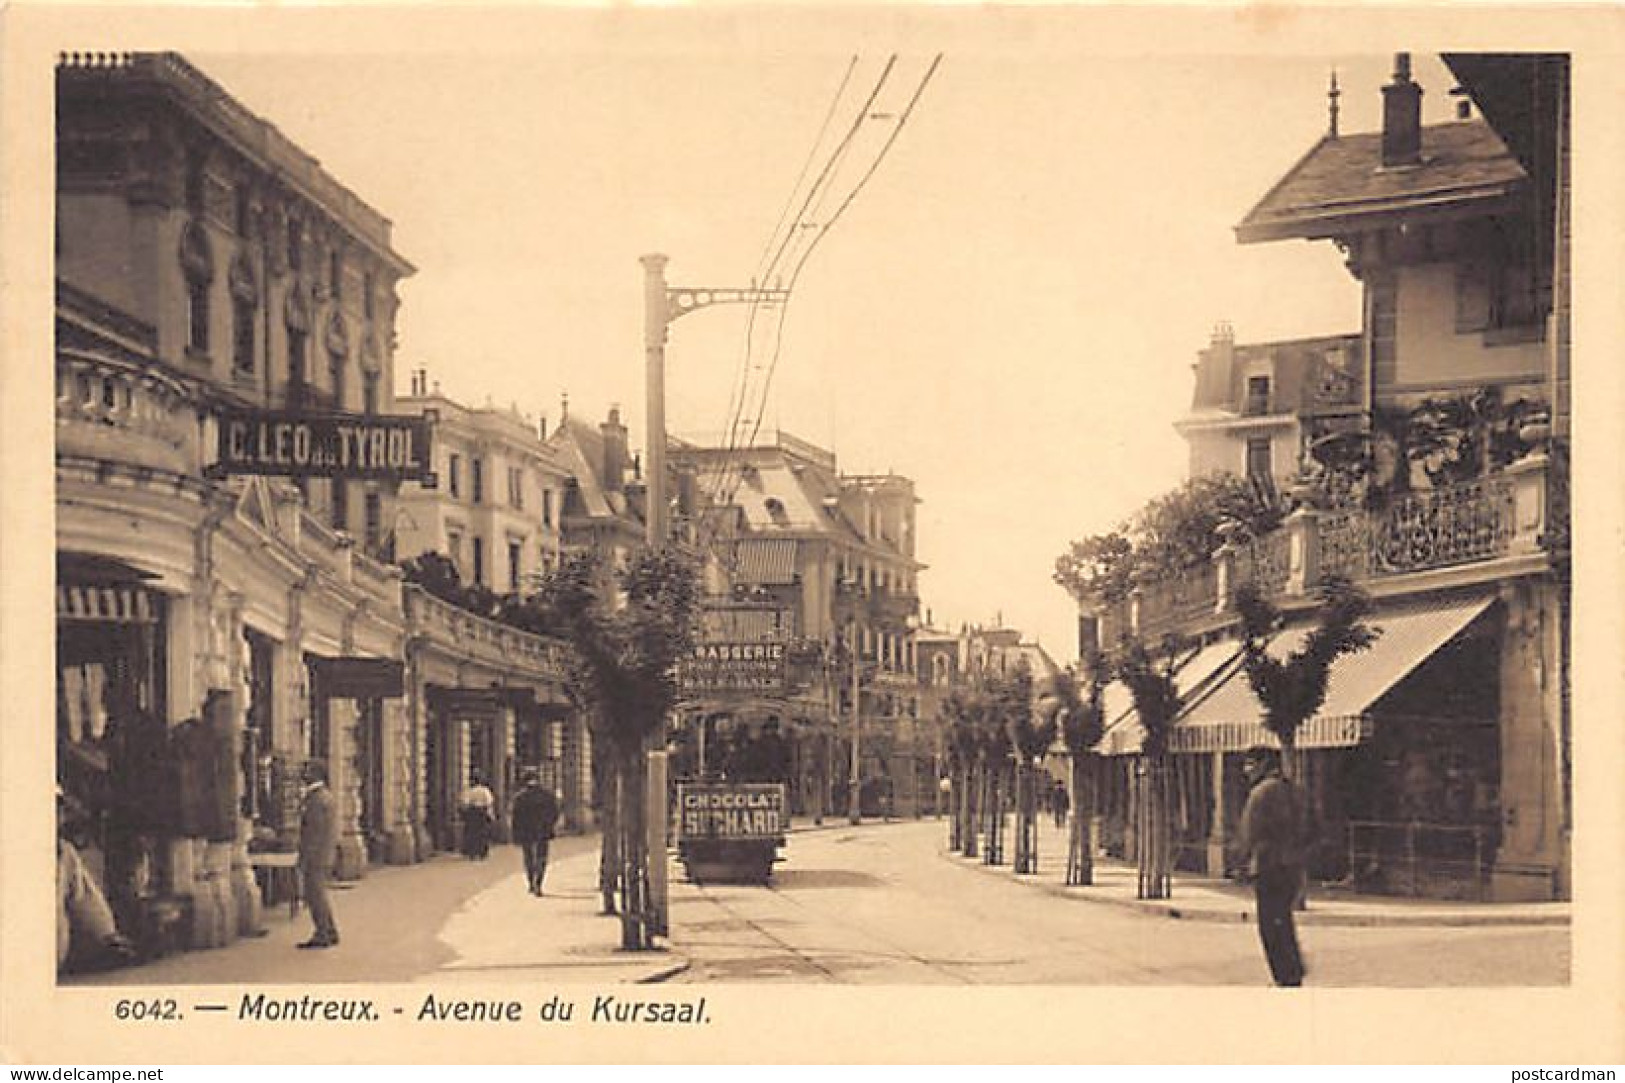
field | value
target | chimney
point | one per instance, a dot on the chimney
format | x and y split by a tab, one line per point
1401	117
615	454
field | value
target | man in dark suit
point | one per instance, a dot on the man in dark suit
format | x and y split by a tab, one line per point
535	811
1272	830
318	842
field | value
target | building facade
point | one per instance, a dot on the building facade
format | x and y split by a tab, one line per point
1439	762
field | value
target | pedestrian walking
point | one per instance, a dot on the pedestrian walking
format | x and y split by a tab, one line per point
535	812
318	843
1272	832
1060	802
478	804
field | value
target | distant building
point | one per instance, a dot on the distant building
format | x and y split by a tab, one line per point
824	562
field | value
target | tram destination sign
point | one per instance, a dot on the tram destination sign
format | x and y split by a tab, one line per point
733	667
328	445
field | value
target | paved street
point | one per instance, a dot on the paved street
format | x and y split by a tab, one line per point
882	904
873	904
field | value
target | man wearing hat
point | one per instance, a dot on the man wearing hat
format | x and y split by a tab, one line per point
1272	832
318	844
85	928
535	811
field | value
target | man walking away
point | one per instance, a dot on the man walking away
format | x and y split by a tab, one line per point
318	842
1272	832
535	812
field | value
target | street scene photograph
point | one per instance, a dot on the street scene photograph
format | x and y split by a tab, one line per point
727	515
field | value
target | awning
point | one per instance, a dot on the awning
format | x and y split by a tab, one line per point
1227	719
766	561
119	605
1195	676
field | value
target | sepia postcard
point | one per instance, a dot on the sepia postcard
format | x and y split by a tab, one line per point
880	533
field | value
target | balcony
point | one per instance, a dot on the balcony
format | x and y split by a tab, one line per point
122	411
457	631
1506	523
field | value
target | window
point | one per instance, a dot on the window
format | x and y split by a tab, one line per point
296	358
369	392
1258	459
513	566
547	507
341	504
335	369
476	479
516	487
242	334
477	548
194	182
369	286
243	210
454	550
335	274
197	314
296	246
373	527
1258	396
454	474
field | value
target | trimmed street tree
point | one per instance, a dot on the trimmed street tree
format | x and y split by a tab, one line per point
1150	682
1082	721
627	644
1291	690
1030	735
960	710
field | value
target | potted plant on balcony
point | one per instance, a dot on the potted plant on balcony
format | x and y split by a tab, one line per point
1150	681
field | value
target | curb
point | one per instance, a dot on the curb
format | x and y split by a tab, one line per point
1244	915
665	973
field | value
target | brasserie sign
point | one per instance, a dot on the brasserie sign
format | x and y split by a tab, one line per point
733	667
323	445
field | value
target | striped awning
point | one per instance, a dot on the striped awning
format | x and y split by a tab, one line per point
767	561
1227	719
120	605
1195	677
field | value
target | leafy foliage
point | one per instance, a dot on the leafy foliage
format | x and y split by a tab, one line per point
1029	733
1150	681
1293	689
626	648
1173	532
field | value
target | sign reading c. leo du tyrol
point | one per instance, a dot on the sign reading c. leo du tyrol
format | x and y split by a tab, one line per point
733	667
323	445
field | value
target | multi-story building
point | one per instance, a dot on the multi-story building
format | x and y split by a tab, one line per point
205	262
824	563
1439	761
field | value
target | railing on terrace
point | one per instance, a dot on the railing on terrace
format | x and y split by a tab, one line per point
496	642
1515	513
124	412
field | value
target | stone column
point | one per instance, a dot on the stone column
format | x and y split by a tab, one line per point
342	720
398	737
1530	856
1218	839
1303	551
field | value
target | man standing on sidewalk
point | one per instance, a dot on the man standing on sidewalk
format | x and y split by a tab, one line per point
318	842
1272	832
535	812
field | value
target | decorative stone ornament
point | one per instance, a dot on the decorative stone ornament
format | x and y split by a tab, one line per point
296	309
244	280
338	338
197	255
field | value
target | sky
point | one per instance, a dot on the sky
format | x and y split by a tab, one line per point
1008	312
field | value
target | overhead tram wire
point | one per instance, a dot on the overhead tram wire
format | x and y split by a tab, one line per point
764	263
792	235
725	479
824	230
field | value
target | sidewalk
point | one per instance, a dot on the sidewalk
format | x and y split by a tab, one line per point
1201	898
443	919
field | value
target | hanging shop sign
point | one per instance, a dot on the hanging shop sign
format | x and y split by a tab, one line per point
324	445
733	667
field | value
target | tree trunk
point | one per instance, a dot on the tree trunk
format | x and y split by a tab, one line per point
970	810
993	851
1026	819
956	797
634	856
609	839
1080	860
1153	830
